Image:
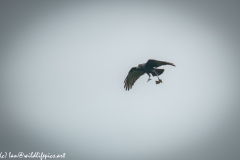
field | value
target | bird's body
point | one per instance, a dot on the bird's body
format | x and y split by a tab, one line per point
149	68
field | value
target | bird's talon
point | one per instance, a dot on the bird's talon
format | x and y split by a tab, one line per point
159	81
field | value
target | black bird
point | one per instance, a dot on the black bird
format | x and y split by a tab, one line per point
149	68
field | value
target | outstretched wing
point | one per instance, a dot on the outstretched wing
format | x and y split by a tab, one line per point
156	63
132	76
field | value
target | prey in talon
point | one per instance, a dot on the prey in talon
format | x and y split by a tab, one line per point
159	81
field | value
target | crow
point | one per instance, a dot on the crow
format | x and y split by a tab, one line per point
149	68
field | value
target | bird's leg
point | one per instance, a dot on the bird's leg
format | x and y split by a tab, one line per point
148	77
159	80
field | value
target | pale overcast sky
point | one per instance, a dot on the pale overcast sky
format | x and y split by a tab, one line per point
63	64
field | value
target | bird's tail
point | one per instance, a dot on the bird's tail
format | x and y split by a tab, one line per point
159	72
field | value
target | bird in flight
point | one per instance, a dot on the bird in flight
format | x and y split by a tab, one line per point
150	68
